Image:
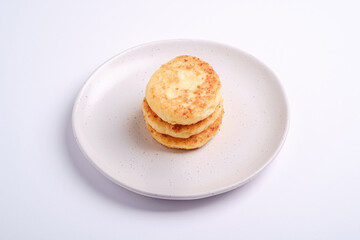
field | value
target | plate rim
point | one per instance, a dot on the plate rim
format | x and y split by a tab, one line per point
216	191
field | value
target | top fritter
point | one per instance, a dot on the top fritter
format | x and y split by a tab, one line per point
184	91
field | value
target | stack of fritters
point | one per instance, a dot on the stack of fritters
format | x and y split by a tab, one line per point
183	103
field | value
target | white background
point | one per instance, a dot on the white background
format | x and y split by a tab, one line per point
48	190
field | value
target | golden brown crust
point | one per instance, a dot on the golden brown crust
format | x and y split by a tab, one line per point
177	130
184	91
192	142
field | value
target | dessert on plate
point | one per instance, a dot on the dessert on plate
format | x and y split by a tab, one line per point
183	106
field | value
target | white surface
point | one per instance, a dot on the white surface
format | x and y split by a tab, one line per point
47	188
108	123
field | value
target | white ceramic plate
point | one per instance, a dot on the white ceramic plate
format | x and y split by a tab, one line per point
110	130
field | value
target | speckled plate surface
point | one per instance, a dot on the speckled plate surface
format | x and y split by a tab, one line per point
110	130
